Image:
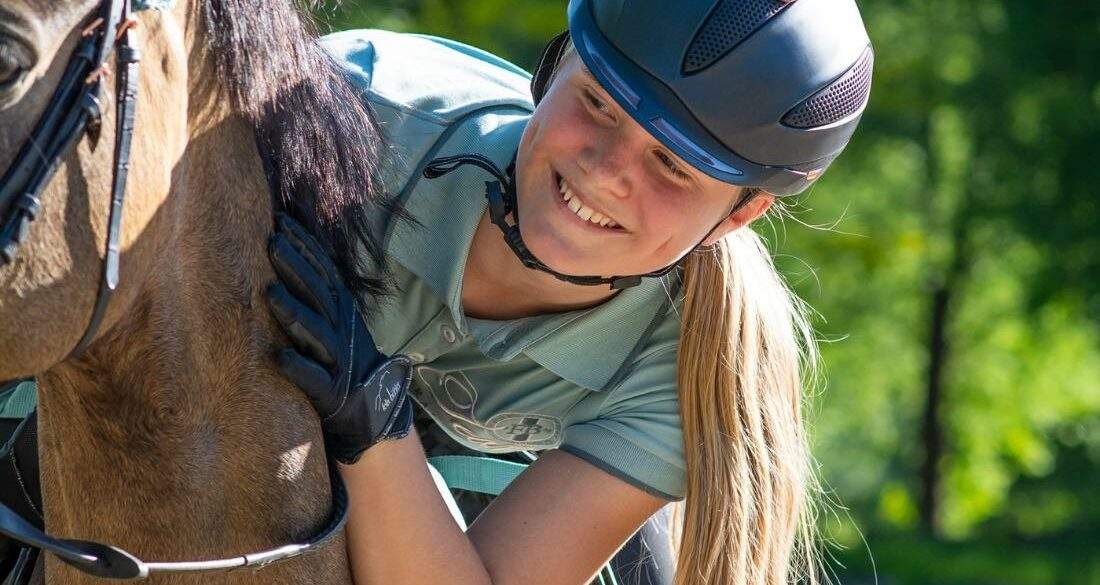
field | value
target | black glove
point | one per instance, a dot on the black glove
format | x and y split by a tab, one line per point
360	394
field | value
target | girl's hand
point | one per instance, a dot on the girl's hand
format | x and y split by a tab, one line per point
359	393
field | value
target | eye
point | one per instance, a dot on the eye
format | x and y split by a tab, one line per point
595	102
12	66
672	166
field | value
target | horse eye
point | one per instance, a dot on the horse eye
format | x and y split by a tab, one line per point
12	67
9	74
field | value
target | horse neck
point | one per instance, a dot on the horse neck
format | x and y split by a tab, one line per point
173	436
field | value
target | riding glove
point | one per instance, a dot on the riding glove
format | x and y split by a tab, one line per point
359	393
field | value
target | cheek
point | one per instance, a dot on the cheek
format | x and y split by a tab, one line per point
560	129
676	222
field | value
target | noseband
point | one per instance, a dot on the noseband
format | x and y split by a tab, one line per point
75	110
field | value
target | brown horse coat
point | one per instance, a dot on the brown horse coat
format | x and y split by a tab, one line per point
173	436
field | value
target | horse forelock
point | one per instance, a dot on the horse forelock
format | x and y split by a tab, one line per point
320	140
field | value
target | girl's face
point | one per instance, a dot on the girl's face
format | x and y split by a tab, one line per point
599	195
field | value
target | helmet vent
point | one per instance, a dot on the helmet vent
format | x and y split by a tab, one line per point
840	99
731	22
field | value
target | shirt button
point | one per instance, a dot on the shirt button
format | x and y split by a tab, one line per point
416	357
449	334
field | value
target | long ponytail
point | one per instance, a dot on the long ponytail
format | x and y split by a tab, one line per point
744	341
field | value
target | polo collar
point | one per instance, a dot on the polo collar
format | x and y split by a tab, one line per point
587	347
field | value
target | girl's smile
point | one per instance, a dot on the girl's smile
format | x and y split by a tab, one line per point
584	209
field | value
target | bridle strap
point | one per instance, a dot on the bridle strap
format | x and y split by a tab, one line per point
65	119
111	562
74	110
127	64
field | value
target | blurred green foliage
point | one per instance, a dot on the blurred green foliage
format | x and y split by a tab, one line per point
971	183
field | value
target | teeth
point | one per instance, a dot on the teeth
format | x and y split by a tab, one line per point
583	212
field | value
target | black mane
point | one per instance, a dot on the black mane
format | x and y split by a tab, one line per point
321	145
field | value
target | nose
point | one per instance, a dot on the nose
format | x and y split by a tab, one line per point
607	159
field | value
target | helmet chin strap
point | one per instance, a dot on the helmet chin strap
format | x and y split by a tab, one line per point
501	194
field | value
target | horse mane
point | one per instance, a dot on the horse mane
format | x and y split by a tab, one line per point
320	144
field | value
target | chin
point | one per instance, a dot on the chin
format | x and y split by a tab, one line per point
565	246
566	257
554	250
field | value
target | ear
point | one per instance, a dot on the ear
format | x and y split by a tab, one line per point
742	217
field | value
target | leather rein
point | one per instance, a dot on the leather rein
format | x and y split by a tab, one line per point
75	110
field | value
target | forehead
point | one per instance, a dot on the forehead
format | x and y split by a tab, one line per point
570	65
586	74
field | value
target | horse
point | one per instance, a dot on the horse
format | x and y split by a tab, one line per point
164	427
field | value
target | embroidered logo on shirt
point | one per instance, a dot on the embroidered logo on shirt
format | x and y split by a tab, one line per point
524	429
451	399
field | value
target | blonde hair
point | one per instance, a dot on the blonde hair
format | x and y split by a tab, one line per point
744	340
745	343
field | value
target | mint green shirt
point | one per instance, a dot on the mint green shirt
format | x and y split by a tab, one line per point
598	383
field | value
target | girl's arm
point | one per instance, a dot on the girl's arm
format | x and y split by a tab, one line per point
556	524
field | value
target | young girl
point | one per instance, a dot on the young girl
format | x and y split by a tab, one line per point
578	280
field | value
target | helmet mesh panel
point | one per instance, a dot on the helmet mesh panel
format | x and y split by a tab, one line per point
840	99
728	24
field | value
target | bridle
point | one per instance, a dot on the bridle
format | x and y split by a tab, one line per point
75	110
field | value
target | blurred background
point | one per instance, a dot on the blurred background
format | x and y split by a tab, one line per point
953	258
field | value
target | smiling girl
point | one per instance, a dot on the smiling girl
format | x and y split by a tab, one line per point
578	279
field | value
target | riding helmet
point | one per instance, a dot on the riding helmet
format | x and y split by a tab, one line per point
756	93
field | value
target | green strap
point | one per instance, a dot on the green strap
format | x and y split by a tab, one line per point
152	4
606	576
486	475
483	475
18	401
